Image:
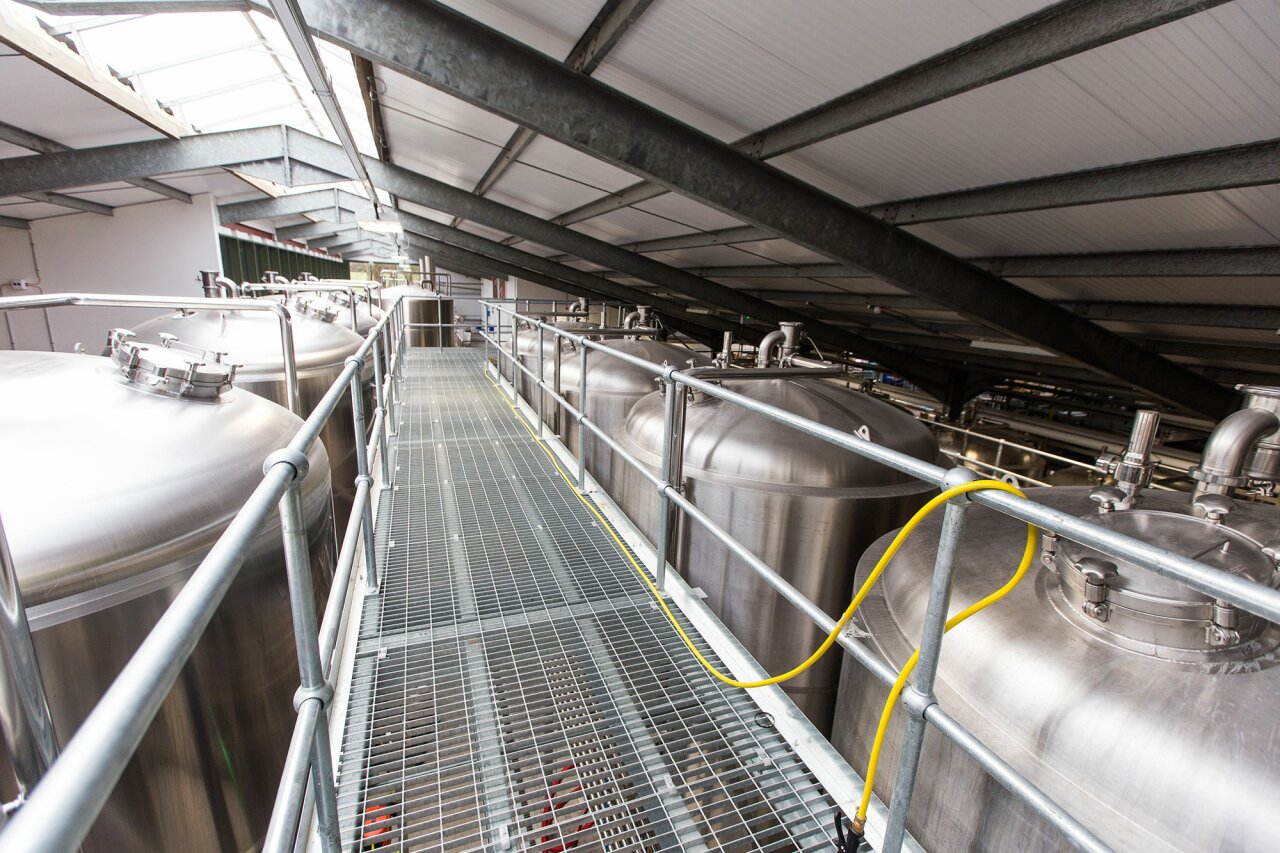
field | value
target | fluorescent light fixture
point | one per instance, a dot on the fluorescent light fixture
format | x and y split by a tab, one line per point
381	226
1019	348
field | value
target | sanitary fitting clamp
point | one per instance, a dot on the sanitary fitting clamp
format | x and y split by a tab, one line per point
1225	630
1097	572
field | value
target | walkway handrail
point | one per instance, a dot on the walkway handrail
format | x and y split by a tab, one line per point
61	809
919	701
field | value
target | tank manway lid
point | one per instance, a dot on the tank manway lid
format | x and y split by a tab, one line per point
1130	602
318	306
171	367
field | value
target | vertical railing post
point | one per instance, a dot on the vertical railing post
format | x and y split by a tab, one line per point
672	468
582	414
919	693
557	411
379	377
542	393
515	355
26	722
362	467
314	688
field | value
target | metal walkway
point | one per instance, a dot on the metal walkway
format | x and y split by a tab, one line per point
514	688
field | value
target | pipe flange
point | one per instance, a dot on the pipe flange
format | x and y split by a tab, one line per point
296	459
324	693
1198	473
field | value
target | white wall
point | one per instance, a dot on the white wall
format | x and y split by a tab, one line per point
18	263
154	249
529	290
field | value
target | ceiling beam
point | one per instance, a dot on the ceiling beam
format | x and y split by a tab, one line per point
435	45
451	255
1247	165
14	222
431	229
1056	32
293	205
1160	313
608	27
289	17
88	166
45	145
1179	263
71	202
315	231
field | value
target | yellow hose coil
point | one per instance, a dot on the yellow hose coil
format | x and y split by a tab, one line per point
1028	557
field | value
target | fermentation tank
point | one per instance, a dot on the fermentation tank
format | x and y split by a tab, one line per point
367	314
422	306
613	387
1138	704
527	346
251	340
982	451
119	475
805	507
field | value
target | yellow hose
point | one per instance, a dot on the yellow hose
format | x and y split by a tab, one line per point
1028	556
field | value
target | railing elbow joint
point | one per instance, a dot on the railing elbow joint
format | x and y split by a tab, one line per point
295	459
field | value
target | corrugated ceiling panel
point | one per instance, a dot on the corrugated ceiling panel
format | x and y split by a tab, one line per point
705	256
550	156
781	251
20	209
1220	290
549	27
424	211
678	208
437	134
65	112
1206	81
629	225
541	193
1172	222
1260	204
748	65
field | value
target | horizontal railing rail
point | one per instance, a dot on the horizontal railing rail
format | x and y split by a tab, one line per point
60	810
919	701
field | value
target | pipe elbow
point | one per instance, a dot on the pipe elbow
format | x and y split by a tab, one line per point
765	351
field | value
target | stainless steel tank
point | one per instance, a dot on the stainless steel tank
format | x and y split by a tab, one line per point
251	340
526	348
803	506
367	314
981	452
112	490
1114	690
613	387
422	306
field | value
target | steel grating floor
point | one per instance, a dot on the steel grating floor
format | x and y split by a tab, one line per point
514	687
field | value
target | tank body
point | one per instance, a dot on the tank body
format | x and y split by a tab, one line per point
527	346
803	506
1152	738
980	454
422	306
251	339
613	387
116	496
